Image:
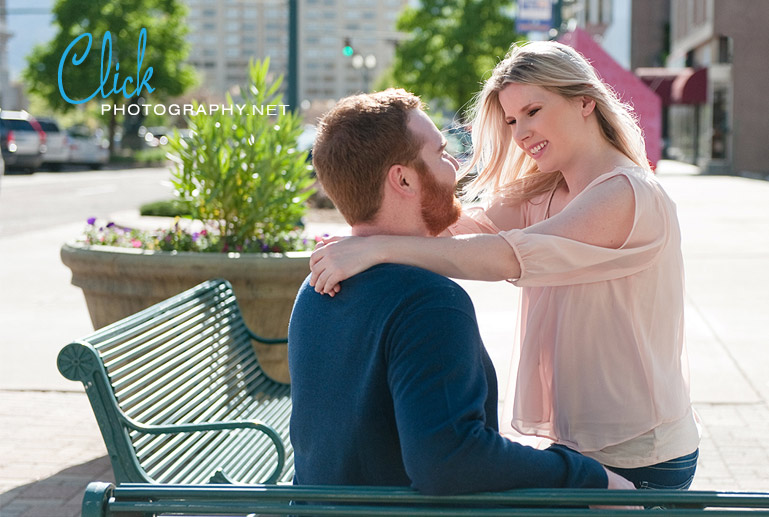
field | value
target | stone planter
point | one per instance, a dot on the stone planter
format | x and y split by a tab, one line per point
118	282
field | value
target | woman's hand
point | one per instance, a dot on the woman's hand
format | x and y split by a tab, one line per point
617	482
338	258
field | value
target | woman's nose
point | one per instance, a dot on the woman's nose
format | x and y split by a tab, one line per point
520	133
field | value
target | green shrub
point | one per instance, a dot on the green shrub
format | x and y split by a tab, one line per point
166	208
242	174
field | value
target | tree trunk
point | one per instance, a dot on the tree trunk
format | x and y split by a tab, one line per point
112	126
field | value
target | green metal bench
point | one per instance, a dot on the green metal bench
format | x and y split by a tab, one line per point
104	499
179	394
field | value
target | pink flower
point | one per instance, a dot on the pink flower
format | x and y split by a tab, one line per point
136	243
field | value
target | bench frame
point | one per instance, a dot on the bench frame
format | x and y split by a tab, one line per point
83	361
104	499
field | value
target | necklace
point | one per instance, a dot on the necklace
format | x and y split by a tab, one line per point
550	202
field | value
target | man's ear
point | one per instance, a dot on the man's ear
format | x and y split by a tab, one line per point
402	180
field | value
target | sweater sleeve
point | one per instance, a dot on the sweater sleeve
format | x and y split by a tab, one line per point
549	260
439	387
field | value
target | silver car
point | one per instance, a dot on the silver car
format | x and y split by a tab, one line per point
22	140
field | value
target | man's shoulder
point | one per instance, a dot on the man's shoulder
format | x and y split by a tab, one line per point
409	278
396	285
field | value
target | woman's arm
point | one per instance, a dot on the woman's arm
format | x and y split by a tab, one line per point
476	257
601	217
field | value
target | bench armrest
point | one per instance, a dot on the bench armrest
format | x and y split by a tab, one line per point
264	340
217	426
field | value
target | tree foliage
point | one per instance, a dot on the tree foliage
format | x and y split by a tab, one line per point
165	51
452	46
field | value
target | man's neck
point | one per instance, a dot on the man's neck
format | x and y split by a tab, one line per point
367	230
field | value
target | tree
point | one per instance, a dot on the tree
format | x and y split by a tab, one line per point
453	45
52	74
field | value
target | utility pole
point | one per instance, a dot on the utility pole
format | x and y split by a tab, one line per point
557	14
293	55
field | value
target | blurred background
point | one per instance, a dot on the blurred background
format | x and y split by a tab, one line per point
688	66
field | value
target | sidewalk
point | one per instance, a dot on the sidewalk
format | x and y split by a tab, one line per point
50	446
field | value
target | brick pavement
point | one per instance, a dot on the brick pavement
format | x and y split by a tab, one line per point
51	449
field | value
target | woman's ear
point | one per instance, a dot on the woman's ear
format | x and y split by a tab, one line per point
588	105
402	180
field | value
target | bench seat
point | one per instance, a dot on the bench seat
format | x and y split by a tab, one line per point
104	500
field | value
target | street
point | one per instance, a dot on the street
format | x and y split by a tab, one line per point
44	200
39	310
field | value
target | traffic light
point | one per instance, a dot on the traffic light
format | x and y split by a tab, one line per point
347	50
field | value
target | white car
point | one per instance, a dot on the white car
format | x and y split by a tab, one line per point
87	148
57	146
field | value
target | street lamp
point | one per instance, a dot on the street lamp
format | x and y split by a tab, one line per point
365	65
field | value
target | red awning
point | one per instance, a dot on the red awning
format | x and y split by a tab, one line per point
676	85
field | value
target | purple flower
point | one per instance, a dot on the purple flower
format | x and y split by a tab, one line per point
195	236
110	225
91	220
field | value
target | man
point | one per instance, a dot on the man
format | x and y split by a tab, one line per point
391	384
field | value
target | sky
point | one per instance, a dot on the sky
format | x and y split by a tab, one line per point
30	21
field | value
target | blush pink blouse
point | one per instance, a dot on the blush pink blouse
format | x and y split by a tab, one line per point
600	364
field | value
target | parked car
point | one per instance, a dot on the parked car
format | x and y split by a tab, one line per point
22	140
87	147
57	146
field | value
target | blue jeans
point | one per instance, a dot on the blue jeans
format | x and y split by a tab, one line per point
676	474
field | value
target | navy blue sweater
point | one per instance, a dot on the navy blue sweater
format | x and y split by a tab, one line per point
391	385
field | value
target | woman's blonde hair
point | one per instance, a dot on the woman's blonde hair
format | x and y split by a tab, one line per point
501	167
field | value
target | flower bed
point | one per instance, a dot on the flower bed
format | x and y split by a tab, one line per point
188	235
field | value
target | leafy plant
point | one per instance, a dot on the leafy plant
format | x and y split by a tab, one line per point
241	172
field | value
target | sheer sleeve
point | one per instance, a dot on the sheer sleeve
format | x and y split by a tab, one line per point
549	260
473	220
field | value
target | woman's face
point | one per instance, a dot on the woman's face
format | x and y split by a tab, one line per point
545	125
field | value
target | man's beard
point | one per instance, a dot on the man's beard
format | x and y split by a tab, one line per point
440	207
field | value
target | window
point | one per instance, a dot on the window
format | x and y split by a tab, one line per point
725	49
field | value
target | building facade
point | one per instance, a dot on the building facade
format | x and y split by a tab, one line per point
729	40
705	60
225	35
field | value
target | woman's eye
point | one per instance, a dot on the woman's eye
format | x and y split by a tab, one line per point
511	122
532	112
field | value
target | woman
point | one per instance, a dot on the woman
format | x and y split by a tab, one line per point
576	218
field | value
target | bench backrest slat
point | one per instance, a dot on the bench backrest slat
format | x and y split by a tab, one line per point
187	360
